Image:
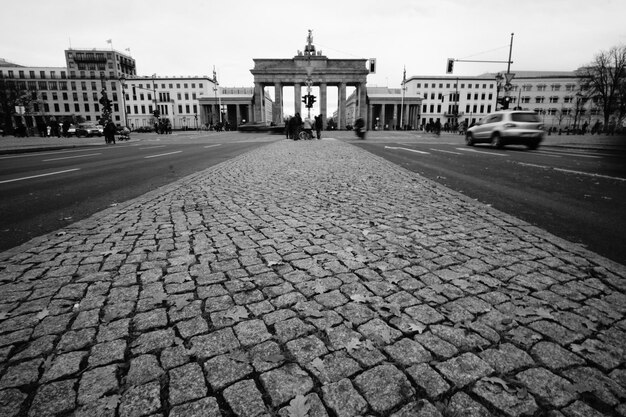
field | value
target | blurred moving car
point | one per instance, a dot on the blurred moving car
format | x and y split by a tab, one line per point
507	127
87	130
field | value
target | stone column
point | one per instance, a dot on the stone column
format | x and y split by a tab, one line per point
370	116
238	115
278	103
395	116
258	103
342	106
323	103
363	103
297	98
383	120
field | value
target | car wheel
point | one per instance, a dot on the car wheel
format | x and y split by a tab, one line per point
533	145
469	139
496	141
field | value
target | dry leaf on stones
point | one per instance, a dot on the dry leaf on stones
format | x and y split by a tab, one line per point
298	407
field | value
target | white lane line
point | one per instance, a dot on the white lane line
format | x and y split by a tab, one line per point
161	154
71	157
407	149
212	146
569	154
40	175
486	153
37	154
571	171
154	147
441	150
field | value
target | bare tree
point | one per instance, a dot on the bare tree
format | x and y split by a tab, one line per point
605	78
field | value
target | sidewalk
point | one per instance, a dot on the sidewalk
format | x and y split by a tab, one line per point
309	278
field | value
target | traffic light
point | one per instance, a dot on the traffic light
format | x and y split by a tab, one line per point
305	99
156	113
450	66
311	101
372	65
504	102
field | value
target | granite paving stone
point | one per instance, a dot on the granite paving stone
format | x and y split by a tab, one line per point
346	284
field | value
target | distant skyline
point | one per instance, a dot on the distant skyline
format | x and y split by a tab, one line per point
190	37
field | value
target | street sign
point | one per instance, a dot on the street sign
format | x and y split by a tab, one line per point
508	87
509	76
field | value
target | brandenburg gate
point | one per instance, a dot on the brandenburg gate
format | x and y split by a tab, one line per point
309	68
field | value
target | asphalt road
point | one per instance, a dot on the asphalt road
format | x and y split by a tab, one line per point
45	191
578	195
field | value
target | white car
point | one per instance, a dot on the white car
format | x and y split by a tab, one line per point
507	127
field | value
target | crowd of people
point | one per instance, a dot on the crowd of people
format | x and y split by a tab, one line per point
295	124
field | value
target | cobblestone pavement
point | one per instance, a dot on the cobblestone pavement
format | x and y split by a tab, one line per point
309	279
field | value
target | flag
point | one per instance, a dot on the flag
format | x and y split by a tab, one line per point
110	41
404	76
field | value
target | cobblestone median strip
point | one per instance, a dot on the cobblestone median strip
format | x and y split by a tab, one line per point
309	279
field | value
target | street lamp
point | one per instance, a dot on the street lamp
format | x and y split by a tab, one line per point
123	83
578	98
499	79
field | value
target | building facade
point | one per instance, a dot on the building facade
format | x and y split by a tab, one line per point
386	109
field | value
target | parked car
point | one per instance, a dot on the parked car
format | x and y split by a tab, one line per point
507	127
87	130
71	130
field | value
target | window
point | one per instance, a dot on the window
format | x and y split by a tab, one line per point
185	85
527	87
87	107
193	96
180	96
187	97
200	85
83	85
44	96
85	98
75	96
568	99
469	86
53	85
66	107
56	107
21	74
539	99
195	109
448	85
143	109
141	96
177	85
482	96
95	96
490	96
73	85
469	96
419	85
424	108
526	99
187	108
32	85
76	108
180	108
55	96
31	74
555	87
554	99
64	96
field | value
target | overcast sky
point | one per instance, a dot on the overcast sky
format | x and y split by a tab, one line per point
190	37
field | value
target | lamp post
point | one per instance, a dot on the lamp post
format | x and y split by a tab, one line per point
123	84
578	98
154	92
499	79
215	88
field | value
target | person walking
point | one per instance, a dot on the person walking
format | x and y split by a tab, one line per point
109	132
318	126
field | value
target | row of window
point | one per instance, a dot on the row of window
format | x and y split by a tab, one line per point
38	108
162	96
480	109
448	85
164	109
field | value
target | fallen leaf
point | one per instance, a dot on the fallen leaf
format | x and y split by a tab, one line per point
416	327
42	314
318	364
359	298
497	381
319	288
111	402
237	314
352	345
272	263
298	407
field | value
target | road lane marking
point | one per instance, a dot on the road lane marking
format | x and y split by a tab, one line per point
571	171
212	146
407	149
71	157
40	175
154	147
569	154
441	150
161	154
37	154
486	153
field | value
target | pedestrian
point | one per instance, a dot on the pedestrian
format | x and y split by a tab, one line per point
318	126
109	132
307	126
